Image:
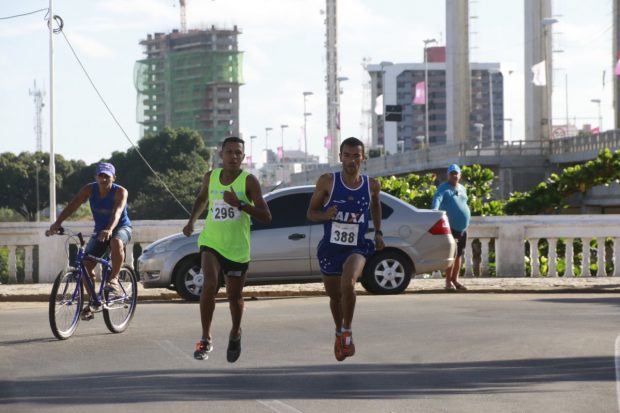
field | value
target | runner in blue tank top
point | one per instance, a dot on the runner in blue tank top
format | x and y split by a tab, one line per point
108	203
344	201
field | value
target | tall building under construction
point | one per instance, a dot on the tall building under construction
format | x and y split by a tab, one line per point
190	79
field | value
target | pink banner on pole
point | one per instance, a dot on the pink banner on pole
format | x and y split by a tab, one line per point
248	161
595	131
617	69
280	153
420	94
327	142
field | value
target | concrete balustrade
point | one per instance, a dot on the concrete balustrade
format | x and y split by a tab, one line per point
510	234
506	237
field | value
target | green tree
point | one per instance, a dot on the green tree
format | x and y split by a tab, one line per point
417	190
180	158
479	182
549	196
18	186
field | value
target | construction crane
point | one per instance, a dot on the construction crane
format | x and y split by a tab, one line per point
183	16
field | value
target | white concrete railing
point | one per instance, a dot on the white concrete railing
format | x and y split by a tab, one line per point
53	250
509	235
501	241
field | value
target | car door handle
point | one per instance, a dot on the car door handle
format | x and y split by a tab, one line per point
296	236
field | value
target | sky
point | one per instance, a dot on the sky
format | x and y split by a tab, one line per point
284	55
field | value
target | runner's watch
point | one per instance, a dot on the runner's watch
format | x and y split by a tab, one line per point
241	205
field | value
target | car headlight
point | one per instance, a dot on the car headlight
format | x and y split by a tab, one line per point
161	247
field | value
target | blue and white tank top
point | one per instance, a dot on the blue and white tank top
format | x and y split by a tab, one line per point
102	208
350	224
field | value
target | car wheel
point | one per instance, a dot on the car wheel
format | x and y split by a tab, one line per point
189	279
387	272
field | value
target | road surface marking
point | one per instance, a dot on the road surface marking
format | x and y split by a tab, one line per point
278	406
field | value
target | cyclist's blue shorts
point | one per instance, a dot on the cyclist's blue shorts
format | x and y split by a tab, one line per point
99	249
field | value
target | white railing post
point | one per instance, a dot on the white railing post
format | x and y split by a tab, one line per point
569	258
585	264
616	258
509	248
551	257
484	257
28	264
534	261
600	257
12	264
467	256
129	254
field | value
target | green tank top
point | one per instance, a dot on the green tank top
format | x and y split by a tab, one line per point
227	230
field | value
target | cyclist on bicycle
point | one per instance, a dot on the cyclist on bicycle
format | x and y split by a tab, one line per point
108	204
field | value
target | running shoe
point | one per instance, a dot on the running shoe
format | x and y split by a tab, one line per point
338	348
203	348
234	348
348	348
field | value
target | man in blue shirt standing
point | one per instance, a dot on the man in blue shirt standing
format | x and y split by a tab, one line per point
451	197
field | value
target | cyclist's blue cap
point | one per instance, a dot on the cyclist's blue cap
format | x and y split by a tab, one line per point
454	168
106	168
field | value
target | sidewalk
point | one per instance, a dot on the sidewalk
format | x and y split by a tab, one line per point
40	292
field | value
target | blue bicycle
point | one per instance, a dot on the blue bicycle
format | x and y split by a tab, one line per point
67	297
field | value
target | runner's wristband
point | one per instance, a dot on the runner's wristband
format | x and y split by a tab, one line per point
378	232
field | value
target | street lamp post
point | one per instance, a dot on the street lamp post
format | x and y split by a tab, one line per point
600	117
267	145
252	150
306	114
282	127
426	137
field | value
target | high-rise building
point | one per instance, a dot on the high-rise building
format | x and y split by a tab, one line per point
190	79
395	84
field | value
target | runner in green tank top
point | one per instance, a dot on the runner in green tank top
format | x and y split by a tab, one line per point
232	196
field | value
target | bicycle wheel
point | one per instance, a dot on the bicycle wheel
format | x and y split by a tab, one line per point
65	304
118	310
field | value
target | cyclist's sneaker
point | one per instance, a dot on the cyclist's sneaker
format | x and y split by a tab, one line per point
203	348
112	287
338	348
86	314
234	348
94	308
348	348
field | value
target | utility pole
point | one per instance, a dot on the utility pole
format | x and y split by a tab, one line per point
52	164
615	57
333	97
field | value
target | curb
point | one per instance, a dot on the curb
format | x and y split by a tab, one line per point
173	296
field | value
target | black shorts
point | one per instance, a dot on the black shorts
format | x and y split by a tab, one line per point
461	241
228	267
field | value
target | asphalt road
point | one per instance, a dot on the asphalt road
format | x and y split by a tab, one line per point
430	353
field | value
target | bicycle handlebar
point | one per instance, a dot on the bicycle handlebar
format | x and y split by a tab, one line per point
61	231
